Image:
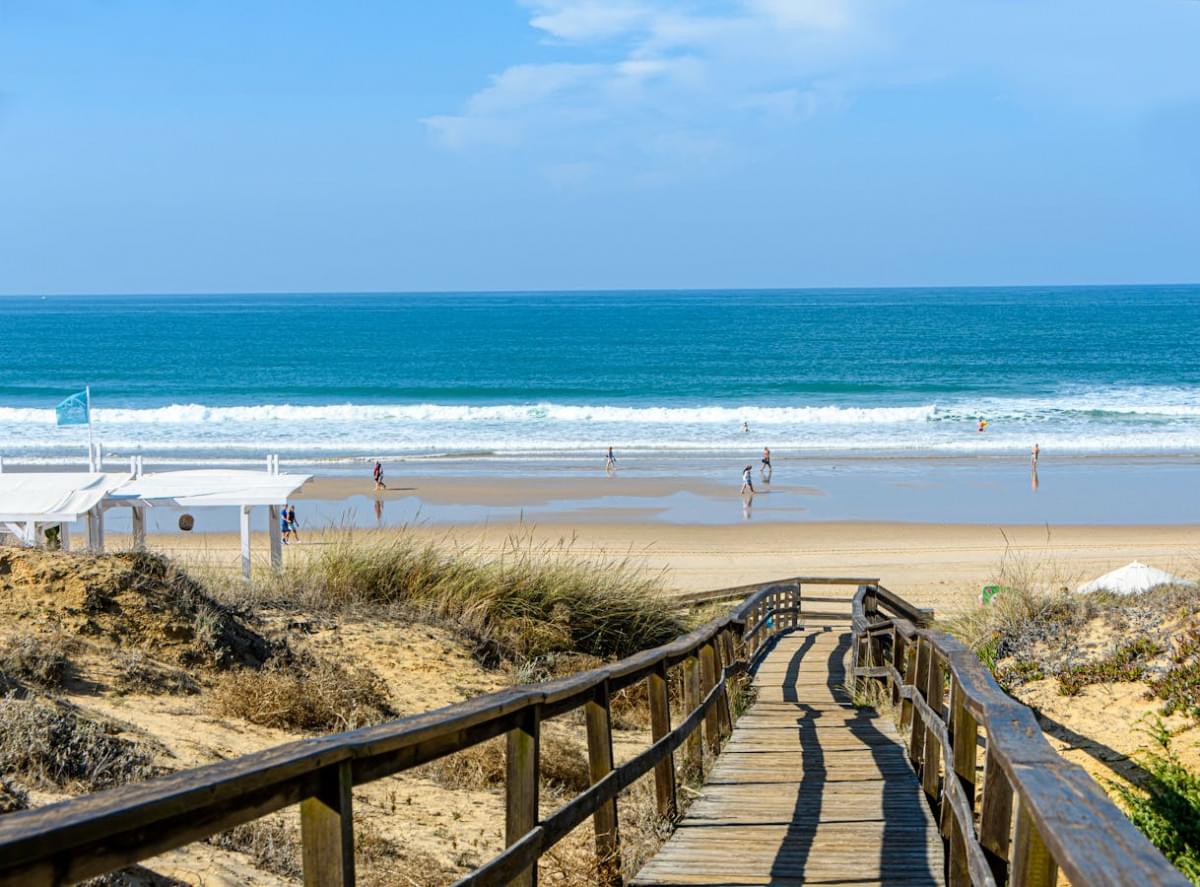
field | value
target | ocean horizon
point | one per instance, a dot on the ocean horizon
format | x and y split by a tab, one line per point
327	376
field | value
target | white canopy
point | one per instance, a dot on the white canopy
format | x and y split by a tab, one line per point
1132	578
53	497
209	487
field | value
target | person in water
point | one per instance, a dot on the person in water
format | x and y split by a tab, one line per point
610	461
747	480
291	519
983	424
745	427
378	475
765	468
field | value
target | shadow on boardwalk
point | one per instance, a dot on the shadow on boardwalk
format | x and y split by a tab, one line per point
808	790
903	812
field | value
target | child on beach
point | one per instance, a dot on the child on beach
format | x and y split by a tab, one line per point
747	480
378	474
291	519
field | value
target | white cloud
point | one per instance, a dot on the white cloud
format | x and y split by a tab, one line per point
633	74
670	64
587	20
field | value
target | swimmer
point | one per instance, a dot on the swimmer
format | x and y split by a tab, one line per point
745	427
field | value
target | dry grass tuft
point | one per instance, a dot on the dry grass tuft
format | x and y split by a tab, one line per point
138	673
40	661
12	797
564	766
573	862
305	694
271	842
52	744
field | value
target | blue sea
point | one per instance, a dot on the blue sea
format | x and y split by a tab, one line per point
520	375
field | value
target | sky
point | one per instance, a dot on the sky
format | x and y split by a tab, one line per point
149	146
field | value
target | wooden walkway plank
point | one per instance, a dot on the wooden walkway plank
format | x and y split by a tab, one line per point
808	790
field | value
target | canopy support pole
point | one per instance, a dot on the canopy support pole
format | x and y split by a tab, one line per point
275	532
245	528
64	536
95	525
138	525
31	534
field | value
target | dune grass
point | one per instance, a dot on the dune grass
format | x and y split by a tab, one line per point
528	600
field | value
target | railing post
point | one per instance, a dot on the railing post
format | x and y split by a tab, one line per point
932	757
521	786
712	717
916	737
327	831
693	749
600	764
660	725
799	602
995	816
1032	865
719	662
964	735
908	676
898	654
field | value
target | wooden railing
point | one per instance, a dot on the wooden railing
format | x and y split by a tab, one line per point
99	833
1035	812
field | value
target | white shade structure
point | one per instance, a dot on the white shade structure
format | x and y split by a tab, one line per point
1132	578
30	501
211	488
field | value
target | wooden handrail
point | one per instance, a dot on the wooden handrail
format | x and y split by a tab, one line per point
1035	813
739	592
94	834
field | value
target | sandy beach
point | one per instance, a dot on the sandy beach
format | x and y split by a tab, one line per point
935	565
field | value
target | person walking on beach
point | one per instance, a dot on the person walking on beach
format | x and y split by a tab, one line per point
284	525
747	480
610	462
291	519
378	474
1033	455
765	468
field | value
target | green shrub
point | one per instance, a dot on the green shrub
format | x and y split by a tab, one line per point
1127	663
1179	687
1167	806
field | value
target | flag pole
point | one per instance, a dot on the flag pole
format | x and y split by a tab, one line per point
87	391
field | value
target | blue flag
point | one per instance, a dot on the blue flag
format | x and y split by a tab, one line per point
73	410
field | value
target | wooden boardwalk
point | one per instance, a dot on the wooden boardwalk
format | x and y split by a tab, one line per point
808	789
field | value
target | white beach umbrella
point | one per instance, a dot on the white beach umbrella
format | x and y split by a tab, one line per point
1132	578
